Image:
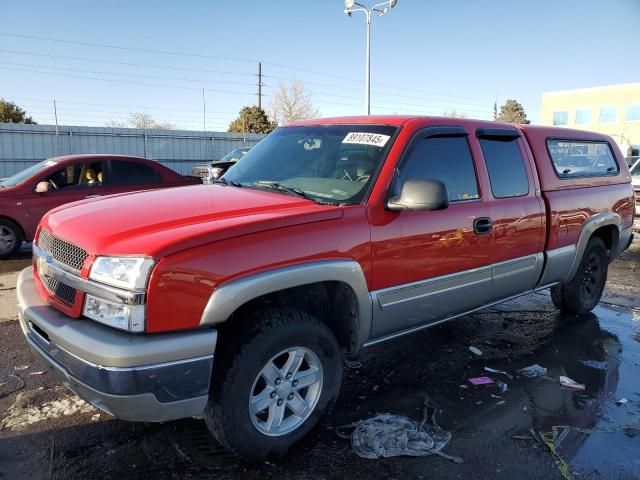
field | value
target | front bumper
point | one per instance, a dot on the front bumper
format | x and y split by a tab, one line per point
150	378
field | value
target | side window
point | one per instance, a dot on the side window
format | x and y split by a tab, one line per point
576	158
447	159
133	173
507	172
84	174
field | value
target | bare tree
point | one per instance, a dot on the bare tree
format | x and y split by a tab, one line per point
454	114
140	120
291	103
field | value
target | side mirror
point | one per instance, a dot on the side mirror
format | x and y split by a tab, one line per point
42	187
420	195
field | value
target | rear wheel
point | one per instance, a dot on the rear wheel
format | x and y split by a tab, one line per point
274	385
10	238
583	292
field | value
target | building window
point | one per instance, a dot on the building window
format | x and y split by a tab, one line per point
608	114
583	116
632	113
560	118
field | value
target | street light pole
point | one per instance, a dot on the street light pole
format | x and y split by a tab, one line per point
380	8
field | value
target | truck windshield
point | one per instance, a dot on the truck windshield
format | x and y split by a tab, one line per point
327	163
26	174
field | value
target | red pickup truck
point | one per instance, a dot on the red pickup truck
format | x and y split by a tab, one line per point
26	196
234	301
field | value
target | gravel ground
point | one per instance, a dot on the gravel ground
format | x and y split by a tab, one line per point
47	432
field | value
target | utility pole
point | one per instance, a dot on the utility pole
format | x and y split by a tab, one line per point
55	113
260	85
204	112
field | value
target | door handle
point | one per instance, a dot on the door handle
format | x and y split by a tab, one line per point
482	225
92	196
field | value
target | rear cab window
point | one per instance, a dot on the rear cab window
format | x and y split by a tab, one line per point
505	163
582	158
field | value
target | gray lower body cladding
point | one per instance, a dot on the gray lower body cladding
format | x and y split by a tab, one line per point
150	391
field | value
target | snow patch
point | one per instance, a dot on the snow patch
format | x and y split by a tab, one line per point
29	408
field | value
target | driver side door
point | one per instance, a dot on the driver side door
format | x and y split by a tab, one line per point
71	182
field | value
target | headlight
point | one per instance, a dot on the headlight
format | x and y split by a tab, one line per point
131	273
117	315
216	172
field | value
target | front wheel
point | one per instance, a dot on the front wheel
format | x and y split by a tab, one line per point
583	292
277	383
10	238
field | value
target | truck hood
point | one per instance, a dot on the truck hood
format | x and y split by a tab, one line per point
160	222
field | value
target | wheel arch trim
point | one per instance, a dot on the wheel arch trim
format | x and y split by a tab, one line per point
596	222
227	298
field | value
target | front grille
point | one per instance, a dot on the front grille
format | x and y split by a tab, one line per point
62	251
60	290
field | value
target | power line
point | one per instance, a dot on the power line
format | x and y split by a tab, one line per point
112	80
119	47
129	64
47	100
99	72
188	54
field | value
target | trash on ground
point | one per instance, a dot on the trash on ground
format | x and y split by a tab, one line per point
501	402
622	401
9	377
594	364
475	351
549	440
463	386
21	367
534	370
502	386
41	372
481	381
569	383
387	435
493	370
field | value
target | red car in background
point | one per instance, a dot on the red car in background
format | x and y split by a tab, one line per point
28	195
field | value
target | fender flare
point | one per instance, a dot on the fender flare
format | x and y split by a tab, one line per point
230	296
594	223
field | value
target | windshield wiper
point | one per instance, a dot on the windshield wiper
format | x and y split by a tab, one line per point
294	192
224	181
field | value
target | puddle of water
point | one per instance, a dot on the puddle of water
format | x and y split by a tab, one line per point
601	437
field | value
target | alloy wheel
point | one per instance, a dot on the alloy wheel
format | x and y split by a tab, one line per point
286	391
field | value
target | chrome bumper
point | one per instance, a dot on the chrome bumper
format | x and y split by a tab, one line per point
151	378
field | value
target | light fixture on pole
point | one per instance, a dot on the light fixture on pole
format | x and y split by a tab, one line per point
380	8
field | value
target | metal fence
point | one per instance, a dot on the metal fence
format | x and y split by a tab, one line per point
24	145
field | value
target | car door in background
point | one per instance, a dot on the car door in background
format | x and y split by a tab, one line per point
71	182
129	176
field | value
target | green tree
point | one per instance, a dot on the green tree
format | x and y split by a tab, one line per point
512	112
11	113
252	120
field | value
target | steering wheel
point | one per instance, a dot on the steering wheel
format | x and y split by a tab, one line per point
53	184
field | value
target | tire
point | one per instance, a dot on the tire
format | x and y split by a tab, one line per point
275	338
10	238
583	292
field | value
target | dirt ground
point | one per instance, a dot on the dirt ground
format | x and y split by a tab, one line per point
48	433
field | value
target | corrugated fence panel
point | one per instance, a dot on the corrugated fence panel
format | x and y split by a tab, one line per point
24	145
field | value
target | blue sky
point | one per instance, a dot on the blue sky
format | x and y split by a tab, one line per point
428	56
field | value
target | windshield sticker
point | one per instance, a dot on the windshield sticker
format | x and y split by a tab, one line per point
362	138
